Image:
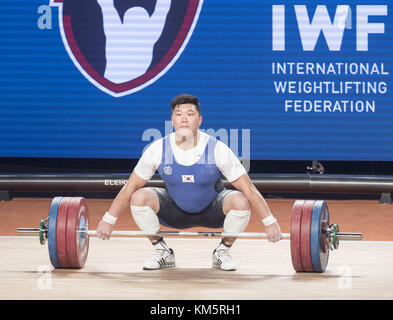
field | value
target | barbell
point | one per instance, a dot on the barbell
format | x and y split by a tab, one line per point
66	230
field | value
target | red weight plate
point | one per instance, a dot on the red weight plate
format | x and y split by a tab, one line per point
296	218
305	234
61	232
77	240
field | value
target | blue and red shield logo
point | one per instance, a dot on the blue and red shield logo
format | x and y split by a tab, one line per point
122	46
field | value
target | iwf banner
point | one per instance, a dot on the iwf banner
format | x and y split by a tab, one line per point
277	80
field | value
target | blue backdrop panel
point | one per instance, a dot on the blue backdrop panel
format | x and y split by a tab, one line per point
307	81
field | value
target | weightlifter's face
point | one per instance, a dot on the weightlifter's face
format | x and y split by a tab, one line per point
186	120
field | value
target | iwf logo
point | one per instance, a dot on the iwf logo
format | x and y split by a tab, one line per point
123	46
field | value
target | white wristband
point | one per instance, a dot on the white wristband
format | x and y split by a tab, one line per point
269	220
109	219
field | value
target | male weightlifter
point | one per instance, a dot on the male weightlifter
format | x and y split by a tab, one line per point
191	163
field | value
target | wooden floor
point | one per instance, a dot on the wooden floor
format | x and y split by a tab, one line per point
358	270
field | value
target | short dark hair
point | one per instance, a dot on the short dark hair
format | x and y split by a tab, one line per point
185	98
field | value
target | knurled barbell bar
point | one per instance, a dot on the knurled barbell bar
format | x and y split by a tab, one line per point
311	235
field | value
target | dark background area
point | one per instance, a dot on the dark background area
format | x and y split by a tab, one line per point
51	165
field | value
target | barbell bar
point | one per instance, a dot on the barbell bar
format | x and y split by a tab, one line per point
311	235
346	236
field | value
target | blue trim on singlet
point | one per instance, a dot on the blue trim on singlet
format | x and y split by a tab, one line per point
193	187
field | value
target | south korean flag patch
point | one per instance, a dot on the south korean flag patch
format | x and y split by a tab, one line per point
187	178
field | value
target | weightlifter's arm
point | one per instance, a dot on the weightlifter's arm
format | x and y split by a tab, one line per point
120	204
259	206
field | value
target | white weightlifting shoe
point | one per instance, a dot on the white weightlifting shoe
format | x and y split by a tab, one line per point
160	259
223	260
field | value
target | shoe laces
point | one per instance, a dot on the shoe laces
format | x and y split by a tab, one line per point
160	253
223	255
